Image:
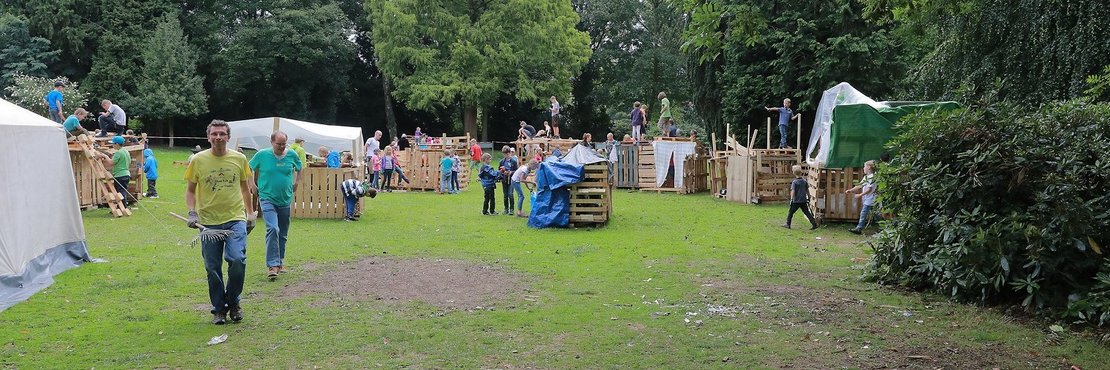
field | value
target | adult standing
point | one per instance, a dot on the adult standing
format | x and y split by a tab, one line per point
277	172
298	147
556	109
113	118
54	100
218	197
664	111
637	117
373	144
785	116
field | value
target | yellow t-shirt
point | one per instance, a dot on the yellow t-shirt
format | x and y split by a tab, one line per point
219	198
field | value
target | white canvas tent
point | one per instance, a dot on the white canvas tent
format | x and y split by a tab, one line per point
255	134
41	233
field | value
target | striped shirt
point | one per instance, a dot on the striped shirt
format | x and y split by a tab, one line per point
352	188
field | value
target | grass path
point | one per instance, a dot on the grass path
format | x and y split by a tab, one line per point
672	282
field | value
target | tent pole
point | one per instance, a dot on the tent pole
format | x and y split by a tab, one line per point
277	124
768	132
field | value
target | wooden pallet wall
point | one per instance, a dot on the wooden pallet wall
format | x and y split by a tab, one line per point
89	194
591	201
320	195
826	193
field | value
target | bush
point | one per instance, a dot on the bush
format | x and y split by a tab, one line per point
28	92
1000	205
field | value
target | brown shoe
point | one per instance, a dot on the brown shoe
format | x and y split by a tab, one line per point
273	273
219	318
235	313
281	269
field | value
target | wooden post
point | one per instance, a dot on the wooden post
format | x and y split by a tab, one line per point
277	124
768	132
713	149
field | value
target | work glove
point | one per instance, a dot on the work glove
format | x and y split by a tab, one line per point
250	222
193	219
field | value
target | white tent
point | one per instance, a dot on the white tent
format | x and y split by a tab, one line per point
817	154
41	233
255	134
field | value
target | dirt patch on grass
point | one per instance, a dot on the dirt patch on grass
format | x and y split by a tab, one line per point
448	284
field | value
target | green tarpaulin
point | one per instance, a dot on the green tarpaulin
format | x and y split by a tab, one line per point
859	131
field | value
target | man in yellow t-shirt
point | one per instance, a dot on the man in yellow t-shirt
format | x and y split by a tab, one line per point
218	195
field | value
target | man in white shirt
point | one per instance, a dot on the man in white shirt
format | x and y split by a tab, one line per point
113	119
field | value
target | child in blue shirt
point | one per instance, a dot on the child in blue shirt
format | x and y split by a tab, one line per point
150	168
489	178
507	166
445	166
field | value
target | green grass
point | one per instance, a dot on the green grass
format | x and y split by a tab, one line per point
617	296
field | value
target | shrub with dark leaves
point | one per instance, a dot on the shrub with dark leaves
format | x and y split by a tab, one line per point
1002	205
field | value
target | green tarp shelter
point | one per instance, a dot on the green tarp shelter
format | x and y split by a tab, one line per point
851	128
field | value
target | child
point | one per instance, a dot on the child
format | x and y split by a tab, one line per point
397	168
346	160
475	153
456	166
387	168
518	178
785	116
537	153
799	198
445	166
507	166
353	189
866	190
150	168
376	167
489	178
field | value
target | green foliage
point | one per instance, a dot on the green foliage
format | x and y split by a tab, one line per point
28	92
20	53
1099	86
1001	205
440	52
169	86
1037	50
291	62
123	28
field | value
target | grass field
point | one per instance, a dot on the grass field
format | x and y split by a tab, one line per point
426	281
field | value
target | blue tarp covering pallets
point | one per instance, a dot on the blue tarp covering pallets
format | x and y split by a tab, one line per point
551	207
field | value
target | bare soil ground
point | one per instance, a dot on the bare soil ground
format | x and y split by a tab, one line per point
447	284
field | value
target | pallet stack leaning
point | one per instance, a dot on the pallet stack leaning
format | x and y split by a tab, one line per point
89	193
591	201
320	195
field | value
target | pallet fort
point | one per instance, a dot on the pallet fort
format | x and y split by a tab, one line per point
747	175
635	168
421	162
89	174
591	201
548	146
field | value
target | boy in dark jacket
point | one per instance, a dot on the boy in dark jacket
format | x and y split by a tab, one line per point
799	198
489	178
507	166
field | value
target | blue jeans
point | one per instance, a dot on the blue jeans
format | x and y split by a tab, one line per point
519	196
277	231
455	181
863	215
374	179
400	175
351	201
234	251
56	115
445	182
783	133
507	196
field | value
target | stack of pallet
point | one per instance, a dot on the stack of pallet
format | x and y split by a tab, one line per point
422	165
695	174
97	182
646	167
591	201
85	177
319	193
826	193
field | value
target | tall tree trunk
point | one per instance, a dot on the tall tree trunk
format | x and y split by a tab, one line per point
484	116
169	129
390	118
470	120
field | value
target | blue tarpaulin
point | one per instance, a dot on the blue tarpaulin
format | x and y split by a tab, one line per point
551	206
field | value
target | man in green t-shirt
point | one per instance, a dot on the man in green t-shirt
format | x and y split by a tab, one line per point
120	168
218	195
664	112
276	171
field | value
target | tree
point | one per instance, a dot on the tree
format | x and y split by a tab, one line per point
124	27
287	61
169	86
20	53
437	53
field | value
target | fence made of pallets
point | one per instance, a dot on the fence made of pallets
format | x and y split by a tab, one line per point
422	168
591	201
628	165
718	175
524	147
319	193
760	175
826	193
89	194
695	174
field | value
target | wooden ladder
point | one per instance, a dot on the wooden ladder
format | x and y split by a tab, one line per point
104	178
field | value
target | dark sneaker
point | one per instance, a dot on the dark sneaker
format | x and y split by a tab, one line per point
855	231
235	313
813	227
484	213
786	226
219	318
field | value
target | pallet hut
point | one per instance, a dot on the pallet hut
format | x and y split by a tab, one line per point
421	162
678	165
319	194
849	130
41	234
572	191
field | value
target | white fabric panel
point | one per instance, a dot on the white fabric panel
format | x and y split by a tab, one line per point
817	153
663	152
255	134
38	198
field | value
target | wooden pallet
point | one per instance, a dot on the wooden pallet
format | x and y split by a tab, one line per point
320	195
591	200
627	167
103	179
826	193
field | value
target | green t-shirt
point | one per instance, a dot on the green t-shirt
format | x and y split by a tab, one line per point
219	198
300	153
71	124
665	110
121	163
275	175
